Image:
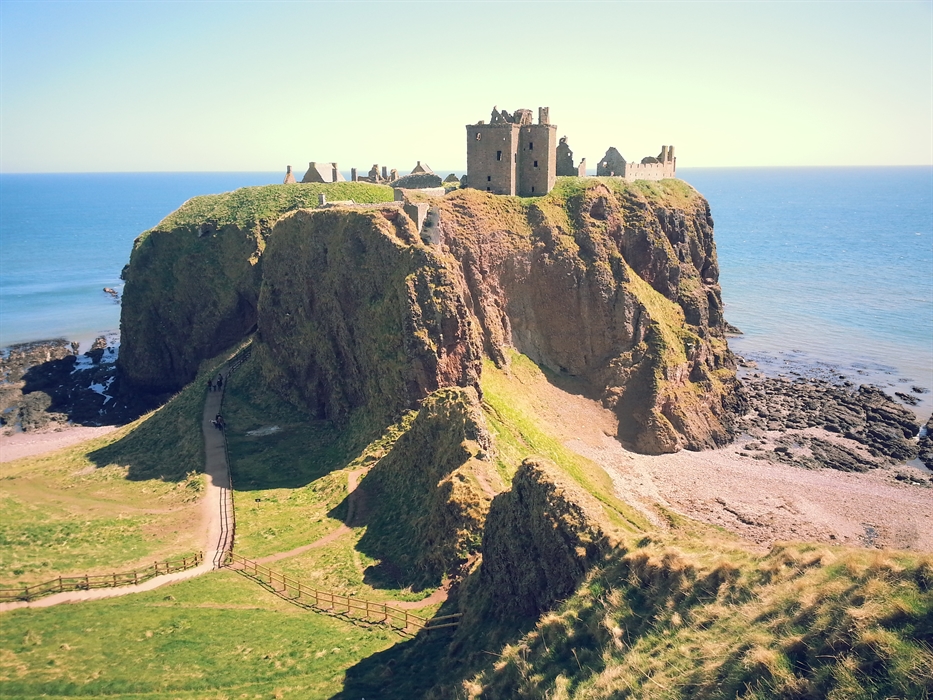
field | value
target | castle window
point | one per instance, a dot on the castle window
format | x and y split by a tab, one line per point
489	178
531	145
488	189
498	155
532	188
478	136
536	164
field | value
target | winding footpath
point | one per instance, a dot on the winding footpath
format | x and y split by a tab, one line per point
217	518
218	521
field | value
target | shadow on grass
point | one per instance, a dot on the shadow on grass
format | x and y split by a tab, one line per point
435	663
168	443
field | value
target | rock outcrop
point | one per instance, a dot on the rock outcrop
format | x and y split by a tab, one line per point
540	538
190	293
863	418
613	283
192	283
356	312
926	444
426	499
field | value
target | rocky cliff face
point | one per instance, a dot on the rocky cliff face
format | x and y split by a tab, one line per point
614	283
356	312
540	538
190	293
426	497
192	284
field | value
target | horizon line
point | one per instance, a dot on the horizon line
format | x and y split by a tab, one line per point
196	172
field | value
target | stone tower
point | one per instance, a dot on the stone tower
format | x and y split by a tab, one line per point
512	155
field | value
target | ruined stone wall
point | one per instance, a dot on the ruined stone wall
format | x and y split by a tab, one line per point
565	159
537	159
491	157
650	171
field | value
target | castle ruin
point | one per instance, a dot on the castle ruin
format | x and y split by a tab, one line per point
565	164
322	172
614	165
511	155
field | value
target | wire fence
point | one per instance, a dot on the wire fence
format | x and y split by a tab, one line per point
64	584
326	601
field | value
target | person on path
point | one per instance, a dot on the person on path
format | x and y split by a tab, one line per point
219	420
210	385
220	381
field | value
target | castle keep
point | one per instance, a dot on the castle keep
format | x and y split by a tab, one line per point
511	155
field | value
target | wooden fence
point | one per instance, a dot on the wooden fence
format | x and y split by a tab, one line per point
64	584
295	591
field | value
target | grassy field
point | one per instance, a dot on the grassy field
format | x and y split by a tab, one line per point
340	567
691	618
114	503
249	205
216	636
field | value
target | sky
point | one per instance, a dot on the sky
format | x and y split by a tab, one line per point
111	86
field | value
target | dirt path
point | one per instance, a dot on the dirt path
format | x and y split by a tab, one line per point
354	510
216	511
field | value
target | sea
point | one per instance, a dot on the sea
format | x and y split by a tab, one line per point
826	271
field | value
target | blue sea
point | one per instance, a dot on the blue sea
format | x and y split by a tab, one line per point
826	270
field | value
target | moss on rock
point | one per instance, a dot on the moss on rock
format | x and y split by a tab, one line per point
426	499
357	313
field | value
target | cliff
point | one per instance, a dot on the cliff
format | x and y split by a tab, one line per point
192	283
427	498
356	313
613	283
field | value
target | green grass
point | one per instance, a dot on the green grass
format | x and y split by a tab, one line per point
667	622
248	205
216	636
508	398
111	504
340	567
289	484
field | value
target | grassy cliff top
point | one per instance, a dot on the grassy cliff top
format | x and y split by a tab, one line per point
673	191
248	205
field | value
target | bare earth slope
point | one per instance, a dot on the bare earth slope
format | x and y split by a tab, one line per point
763	501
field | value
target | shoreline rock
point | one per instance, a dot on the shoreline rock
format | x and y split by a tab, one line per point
815	423
47	384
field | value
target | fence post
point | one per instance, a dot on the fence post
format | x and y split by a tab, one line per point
60	588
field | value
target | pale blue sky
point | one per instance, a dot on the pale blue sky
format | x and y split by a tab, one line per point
141	86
